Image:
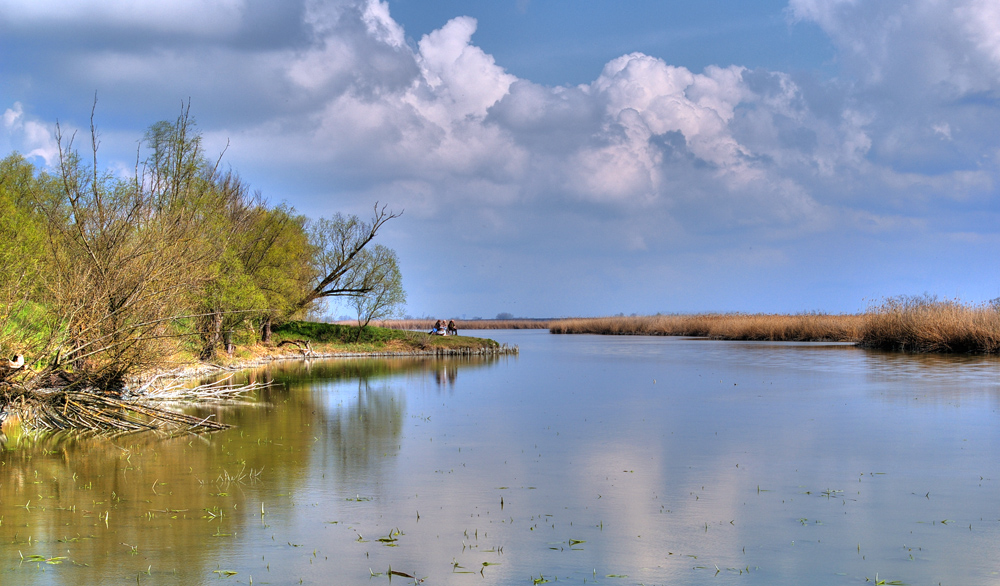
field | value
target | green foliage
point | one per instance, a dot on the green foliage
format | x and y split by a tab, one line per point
22	235
261	265
279	259
344	334
230	290
108	275
386	297
27	323
335	333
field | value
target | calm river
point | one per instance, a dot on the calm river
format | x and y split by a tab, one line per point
586	459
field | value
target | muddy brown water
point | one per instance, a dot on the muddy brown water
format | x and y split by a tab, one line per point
615	460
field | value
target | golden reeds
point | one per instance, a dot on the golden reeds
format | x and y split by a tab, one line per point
914	324
723	326
925	324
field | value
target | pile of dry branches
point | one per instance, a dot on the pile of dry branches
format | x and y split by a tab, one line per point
74	407
60	409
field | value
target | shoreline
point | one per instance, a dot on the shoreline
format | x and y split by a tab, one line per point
95	411
274	354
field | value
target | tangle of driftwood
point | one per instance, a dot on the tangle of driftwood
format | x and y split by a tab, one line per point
58	409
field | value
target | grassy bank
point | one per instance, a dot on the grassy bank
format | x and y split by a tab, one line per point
463	324
912	324
300	337
70	402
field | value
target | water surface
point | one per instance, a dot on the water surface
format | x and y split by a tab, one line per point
618	460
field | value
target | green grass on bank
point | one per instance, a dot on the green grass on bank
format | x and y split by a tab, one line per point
330	339
345	338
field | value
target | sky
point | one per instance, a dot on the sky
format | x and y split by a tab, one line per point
568	157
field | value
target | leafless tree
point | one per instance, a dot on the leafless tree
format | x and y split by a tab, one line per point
338	261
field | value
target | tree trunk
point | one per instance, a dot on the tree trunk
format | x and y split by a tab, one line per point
228	342
212	337
265	331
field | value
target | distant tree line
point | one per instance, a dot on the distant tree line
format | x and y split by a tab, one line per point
105	276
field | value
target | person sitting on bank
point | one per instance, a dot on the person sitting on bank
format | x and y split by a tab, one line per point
452	328
437	328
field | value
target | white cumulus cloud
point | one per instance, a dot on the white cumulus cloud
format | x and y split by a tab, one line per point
28	136
646	158
948	47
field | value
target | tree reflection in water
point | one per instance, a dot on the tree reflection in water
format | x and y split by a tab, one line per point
118	507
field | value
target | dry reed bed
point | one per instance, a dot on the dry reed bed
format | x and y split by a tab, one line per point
908	324
928	325
722	326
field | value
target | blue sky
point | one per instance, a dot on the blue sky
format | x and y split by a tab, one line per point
570	157
577	38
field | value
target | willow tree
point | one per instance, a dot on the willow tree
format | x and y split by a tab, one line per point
340	269
101	274
386	297
258	256
279	261
123	255
261	266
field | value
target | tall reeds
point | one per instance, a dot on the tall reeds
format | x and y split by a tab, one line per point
913	324
927	324
722	326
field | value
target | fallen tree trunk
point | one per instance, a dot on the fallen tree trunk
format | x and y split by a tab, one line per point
304	346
